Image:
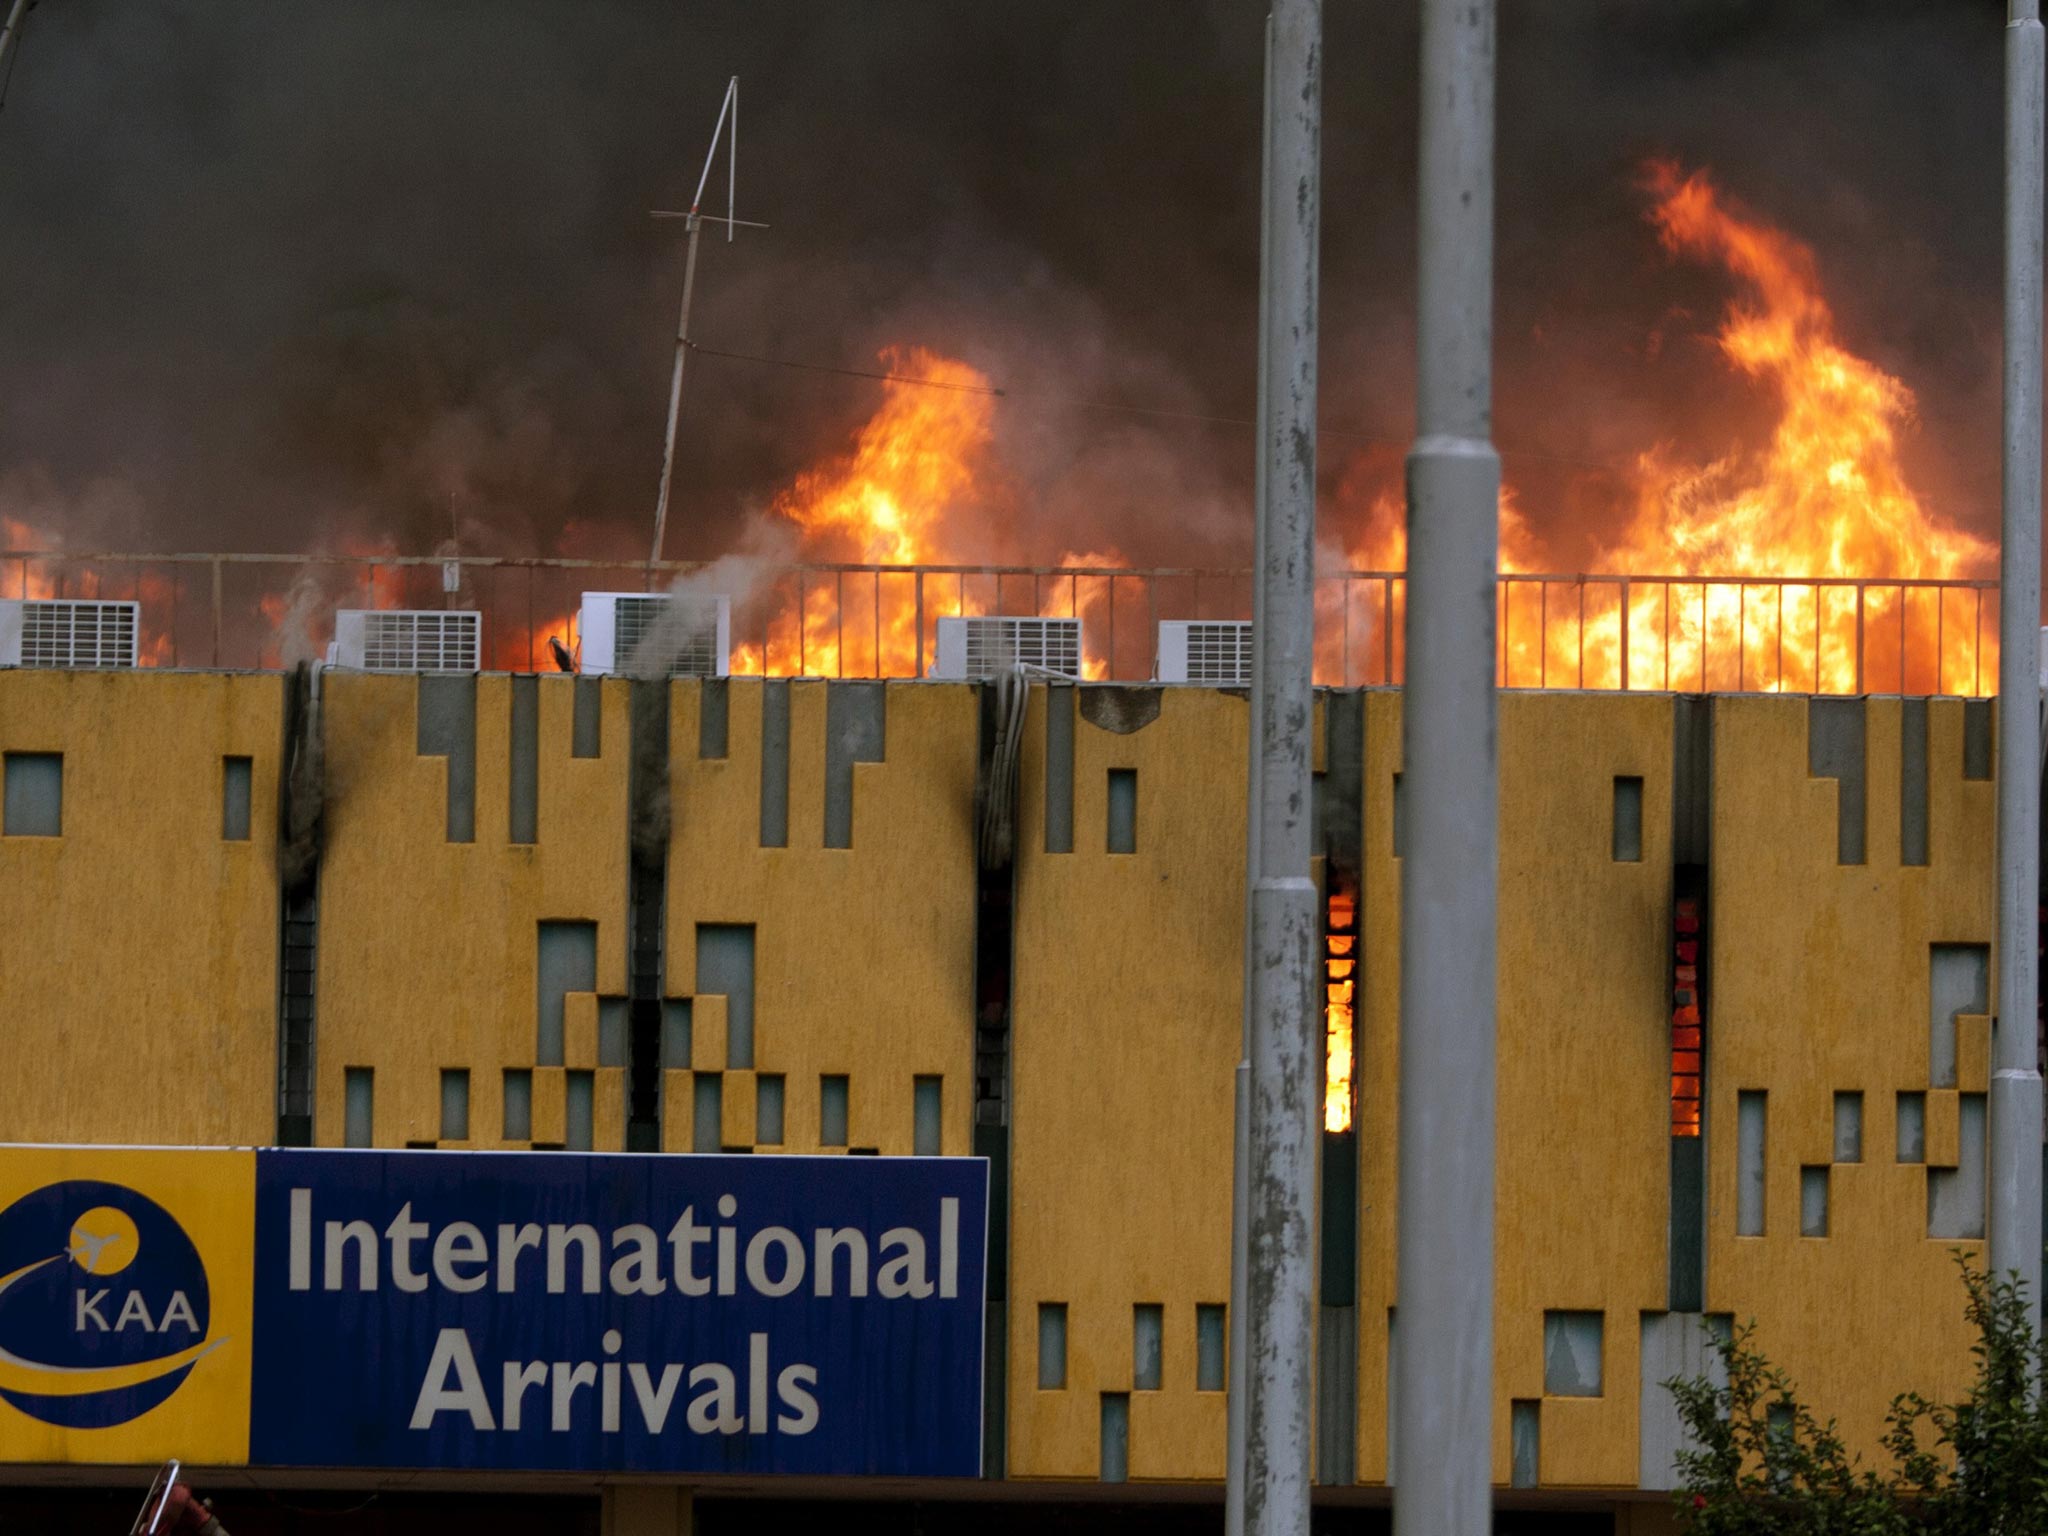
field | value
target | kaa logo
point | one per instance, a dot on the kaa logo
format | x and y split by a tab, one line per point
103	1304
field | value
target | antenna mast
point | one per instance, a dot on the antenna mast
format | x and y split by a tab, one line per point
10	37
728	111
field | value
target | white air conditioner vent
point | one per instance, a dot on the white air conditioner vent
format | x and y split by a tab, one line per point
68	632
408	639
692	634
984	646
1212	651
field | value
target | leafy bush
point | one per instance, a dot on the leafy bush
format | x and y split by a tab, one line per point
1762	1462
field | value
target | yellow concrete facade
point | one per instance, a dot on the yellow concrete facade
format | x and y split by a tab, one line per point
138	967
1126	1015
864	955
139	983
428	947
1822	974
1581	1073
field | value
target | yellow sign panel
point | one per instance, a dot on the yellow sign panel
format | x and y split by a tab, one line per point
126	1281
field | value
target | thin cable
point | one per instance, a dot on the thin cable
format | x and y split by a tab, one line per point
850	373
310	1509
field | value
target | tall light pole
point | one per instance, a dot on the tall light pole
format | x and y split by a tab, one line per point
1444	1376
1241	1144
2015	1078
1286	1066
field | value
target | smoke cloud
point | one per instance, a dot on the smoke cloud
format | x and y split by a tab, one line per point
296	276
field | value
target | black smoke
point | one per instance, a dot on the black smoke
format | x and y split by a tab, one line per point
274	276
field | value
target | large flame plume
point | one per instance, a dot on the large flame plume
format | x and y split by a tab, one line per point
1825	496
920	486
1810	536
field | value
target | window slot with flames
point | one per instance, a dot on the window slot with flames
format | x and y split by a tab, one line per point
1686	1029
1340	994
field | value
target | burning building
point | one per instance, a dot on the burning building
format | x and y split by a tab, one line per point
876	837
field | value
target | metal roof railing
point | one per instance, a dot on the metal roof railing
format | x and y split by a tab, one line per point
1645	632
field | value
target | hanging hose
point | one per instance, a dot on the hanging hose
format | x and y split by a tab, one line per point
997	834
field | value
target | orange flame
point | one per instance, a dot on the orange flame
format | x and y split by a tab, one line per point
916	485
1340	984
1824	499
1826	496
31	581
155	591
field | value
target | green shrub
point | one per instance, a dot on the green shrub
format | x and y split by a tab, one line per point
1762	1462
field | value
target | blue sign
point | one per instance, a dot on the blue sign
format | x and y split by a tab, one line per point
578	1312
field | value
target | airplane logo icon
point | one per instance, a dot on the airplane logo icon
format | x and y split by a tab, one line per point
86	1247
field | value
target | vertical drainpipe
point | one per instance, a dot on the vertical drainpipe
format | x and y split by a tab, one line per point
1444	1373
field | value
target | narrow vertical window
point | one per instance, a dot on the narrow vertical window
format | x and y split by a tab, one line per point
1912	1131
1123	810
1052	1346
1116	1437
1340	993
358	1085
708	1112
235	778
675	1032
768	1109
1212	1348
518	1104
1749	1163
832	1115
580	1112
1148	1325
455	1104
1813	1201
1524	1437
1628	820
927	1121
1848	1127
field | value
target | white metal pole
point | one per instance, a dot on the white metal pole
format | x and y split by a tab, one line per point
1286	1078
1443	1414
1241	1161
2015	1079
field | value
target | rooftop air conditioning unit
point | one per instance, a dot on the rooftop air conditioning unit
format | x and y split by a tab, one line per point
68	632
408	639
1211	651
692	633
984	646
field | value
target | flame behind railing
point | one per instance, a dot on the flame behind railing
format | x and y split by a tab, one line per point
1682	633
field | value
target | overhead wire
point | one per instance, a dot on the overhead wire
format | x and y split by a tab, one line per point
1079	403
